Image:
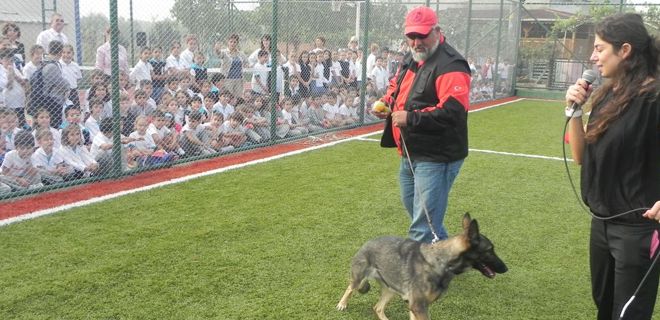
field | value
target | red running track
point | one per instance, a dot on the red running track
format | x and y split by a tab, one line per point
17	207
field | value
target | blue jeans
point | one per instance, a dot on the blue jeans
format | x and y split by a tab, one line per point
428	188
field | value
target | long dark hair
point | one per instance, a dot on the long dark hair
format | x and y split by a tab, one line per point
632	80
265	37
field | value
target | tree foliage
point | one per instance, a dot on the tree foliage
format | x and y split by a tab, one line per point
163	32
298	23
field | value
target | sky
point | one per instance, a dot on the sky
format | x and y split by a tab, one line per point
146	10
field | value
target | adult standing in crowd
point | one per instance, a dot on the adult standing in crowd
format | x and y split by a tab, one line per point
232	63
319	45
103	56
353	44
265	45
55	88
305	74
12	85
188	55
54	33
429	99
12	32
174	64
371	58
620	157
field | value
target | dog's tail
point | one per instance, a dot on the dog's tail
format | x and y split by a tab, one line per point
364	287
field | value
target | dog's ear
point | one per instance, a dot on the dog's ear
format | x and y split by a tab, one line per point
466	220
473	231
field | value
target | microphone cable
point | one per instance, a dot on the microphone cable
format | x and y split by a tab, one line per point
579	200
570	179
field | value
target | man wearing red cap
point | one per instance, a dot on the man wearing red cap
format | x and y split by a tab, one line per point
429	99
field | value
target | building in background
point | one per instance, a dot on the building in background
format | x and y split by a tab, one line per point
33	18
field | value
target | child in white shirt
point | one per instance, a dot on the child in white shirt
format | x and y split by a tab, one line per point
17	169
92	122
42	121
48	160
143	69
191	140
75	153
162	136
142	141
259	81
380	76
216	131
8	127
36	56
223	104
71	72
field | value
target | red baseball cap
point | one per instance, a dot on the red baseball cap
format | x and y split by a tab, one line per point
420	20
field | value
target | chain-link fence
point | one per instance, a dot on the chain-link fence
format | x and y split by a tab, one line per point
100	89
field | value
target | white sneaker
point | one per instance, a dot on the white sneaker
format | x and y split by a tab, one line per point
36	186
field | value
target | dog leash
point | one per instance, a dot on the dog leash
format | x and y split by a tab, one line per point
426	212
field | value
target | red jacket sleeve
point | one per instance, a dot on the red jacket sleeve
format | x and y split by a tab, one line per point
453	90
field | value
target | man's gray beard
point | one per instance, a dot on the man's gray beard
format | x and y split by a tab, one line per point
421	56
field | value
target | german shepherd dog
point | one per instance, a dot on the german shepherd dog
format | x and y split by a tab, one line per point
418	272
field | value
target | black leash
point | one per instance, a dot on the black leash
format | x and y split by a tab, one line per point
579	200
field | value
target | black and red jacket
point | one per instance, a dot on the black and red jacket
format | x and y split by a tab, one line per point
436	93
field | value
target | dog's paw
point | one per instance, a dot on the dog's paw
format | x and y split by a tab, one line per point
341	306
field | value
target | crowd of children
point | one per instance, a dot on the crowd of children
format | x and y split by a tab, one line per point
172	107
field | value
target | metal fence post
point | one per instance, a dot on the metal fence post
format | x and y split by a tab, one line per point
365	49
79	53
114	78
516	57
496	73
272	85
130	5
467	38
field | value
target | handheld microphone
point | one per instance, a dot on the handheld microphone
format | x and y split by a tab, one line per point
589	76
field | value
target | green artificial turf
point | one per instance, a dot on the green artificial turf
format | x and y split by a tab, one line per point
274	240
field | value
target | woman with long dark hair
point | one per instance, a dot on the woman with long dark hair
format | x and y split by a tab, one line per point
12	32
264	45
305	74
619	151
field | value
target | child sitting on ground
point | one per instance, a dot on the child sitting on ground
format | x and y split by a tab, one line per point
43	123
191	137
48	160
17	169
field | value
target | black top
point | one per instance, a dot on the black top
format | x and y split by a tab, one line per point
305	71
621	170
159	69
19	50
440	135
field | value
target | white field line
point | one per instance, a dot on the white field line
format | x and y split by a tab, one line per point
39	213
523	155
48	211
497	105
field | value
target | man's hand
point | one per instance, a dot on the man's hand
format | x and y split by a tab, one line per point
380	115
399	118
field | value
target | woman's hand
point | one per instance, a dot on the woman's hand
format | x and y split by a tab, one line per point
654	212
578	93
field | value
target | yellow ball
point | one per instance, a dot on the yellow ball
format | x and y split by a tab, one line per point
380	106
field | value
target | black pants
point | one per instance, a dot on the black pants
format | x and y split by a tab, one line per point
619	257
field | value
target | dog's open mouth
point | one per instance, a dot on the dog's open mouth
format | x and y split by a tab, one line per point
485	270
